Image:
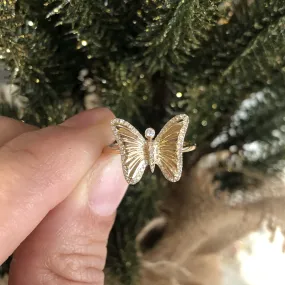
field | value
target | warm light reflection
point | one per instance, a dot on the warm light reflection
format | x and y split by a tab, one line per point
256	260
265	264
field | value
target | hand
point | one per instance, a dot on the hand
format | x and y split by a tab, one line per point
58	198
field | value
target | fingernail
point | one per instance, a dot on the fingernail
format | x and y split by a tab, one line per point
88	118
109	187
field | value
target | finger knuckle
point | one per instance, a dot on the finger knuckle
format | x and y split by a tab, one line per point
21	153
46	278
76	265
12	169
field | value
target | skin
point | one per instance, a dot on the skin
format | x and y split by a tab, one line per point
59	192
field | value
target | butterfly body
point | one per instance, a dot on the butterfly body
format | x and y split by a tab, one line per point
165	150
150	148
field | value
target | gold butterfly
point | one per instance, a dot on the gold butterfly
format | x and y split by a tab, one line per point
165	150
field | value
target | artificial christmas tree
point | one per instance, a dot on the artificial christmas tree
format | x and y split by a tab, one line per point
220	62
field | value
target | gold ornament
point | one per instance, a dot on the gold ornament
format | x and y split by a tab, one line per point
165	150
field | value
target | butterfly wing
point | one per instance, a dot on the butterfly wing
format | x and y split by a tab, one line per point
132	149
168	147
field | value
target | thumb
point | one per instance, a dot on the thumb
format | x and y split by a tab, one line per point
69	246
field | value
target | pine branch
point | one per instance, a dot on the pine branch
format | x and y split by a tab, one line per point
238	25
39	55
258	67
108	24
174	29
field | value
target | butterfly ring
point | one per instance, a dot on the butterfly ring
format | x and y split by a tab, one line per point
165	150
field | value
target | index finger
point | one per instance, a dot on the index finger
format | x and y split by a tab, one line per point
39	169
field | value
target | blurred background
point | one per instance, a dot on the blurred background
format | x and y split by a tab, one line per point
221	62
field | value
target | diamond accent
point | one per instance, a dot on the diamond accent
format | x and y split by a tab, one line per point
149	133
